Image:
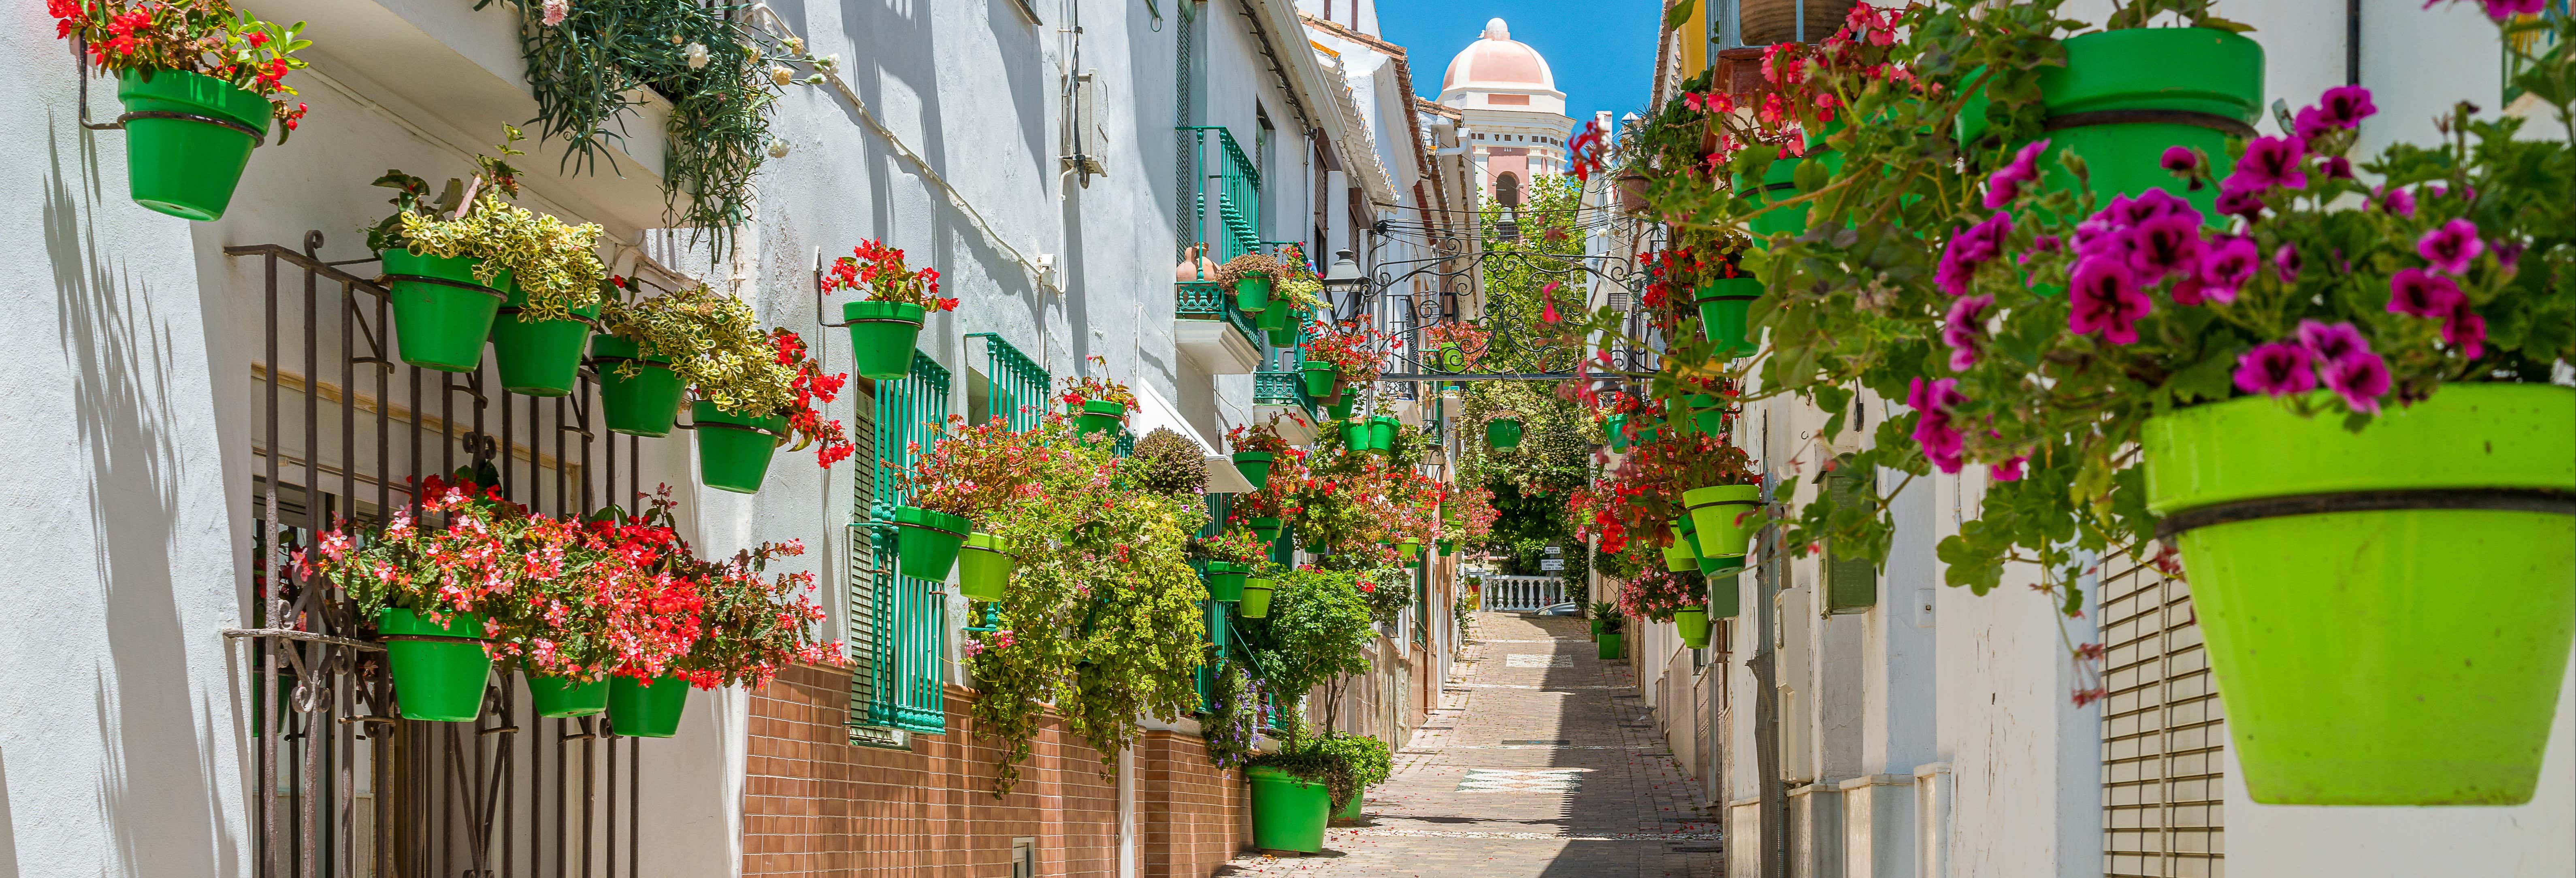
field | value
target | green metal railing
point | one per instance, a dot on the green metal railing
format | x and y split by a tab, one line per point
1208	301
1018	384
906	636
1226	207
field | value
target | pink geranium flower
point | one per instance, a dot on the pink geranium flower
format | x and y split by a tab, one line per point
2418	293
2452	247
2005	185
2107	301
2275	369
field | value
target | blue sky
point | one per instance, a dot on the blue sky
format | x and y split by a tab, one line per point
1603	51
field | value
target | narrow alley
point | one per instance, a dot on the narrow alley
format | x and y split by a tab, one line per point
1542	762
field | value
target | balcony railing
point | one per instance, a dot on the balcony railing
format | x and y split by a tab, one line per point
1225	208
1283	389
1204	300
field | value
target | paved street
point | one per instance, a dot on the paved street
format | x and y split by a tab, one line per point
1541	762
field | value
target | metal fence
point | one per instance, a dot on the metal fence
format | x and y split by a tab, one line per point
1511	594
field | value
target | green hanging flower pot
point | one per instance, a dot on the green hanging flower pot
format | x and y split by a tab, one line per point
1724	576
1678	556
1448	547
1252	295
1779	183
540	357
560	697
1355	434
1255	467
1273	319
2124	96
882	335
1501	433
1269	529
1282	336
1288	814
928	541
734	450
1225	580
1320	378
647	710
1100	417
2388	613
1341	409
1692	624
1614	429
442	315
1382	430
983	566
1256	597
646	403
181	166
1724	516
439	670
1724	305
1409	547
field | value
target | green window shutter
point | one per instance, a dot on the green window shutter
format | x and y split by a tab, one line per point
1724	601
1851	581
906	644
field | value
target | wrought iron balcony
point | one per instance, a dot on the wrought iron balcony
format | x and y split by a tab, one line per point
1212	330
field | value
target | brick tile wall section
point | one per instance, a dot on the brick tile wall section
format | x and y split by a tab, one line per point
816	805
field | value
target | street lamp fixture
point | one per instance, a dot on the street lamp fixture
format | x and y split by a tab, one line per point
1344	275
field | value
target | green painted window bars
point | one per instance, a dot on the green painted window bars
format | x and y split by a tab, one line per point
898	624
1018	385
1225	206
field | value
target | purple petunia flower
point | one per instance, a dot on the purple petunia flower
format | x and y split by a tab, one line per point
2275	369
2416	292
2451	247
1941	439
2310	124
2227	267
2361	379
2344	106
2332	343
2271	162
2005	185
2396	201
2179	159
2285	263
2465	328
1964	329
2165	245
2106	301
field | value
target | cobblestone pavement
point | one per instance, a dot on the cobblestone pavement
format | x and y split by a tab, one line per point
1541	762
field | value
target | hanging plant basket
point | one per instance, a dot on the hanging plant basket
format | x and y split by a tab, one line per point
647	710
2388	613
1409	547
1255	467
734	450
1321	379
188	137
1225	580
1274	319
1609	646
1382	430
2124	96
928	541
542	357
1269	529
1252	295
1614	430
882	335
1288	814
1723	306
1724	577
1256	597
1779	183
442	315
1501	433
1692	624
983	566
439	670
1286	333
1448	546
646	404
559	697
1355	434
1679	556
1724	516
1100	417
1341	409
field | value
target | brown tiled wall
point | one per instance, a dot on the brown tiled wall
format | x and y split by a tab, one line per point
815	805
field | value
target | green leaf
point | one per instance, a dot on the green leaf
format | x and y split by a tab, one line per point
1679	14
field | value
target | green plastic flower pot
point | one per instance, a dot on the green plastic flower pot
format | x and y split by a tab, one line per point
1355	434
1320	378
983	566
1448	547
928	541
1255	467
540	357
881	337
1615	430
1382	430
647	710
439	679
558	697
2124	96
1288	814
646	403
442	315
187	167
1283	336
1723	600
1225	580
1779	183
1609	647
1678	557
1501	433
1100	417
1252	295
2388	613
1690	535
1351	811
1274	319
1269	529
1723	306
1597	625
1692	624
734	450
1341	409
1724	517
1256	597
1409	548
1707	414
1708	566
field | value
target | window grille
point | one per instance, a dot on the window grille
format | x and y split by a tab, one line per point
1018	384
902	647
1851	581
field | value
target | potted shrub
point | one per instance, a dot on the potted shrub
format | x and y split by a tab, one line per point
622	600
1600	612
956	485
1364	760
753	400
1232	557
1342	355
1100	406
751	626
436	596
1257	448
1250	277
1612	628
885	325
454	264
1317	635
200	83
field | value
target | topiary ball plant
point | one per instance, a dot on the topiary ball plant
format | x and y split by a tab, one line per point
1168	463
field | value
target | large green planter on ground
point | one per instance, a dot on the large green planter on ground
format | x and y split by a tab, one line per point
1724	577
1269	529
1288	814
1256	597
1255	467
734	450
881	337
439	671
1225	580
1692	624
558	697
1351	811
1501	433
1723	306
983	566
541	357
1320	377
2388	613
646	403
1721	515
442	315
647	710
2125	95
187	139
1252	295
1609	646
1100	417
1597	625
928	542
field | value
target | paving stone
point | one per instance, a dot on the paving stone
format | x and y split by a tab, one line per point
1607	802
